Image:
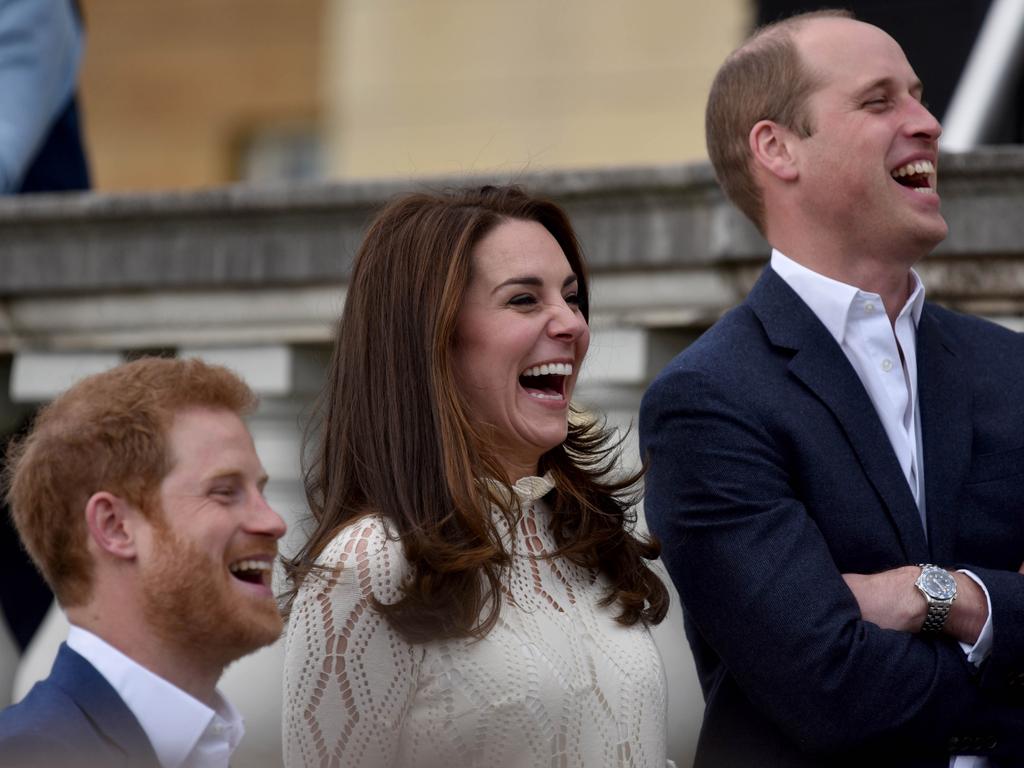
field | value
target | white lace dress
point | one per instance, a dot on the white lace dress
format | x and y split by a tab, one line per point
557	683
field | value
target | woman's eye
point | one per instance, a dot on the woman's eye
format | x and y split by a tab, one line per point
573	298
523	300
223	492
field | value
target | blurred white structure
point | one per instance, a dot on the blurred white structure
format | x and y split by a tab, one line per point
992	72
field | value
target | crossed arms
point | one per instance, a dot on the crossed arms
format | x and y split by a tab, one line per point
760	517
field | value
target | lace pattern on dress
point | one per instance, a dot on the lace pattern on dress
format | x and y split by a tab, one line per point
557	682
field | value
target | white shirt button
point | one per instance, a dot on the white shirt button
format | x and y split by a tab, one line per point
887	365
869	307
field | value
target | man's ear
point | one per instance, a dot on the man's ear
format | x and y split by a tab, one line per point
772	147
112	524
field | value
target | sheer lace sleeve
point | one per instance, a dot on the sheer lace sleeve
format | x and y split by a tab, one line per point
349	679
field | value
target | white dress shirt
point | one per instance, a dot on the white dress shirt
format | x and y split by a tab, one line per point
884	356
184	732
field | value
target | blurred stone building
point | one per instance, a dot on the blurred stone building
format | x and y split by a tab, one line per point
204	92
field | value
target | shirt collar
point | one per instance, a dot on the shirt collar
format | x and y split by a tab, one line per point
915	304
831	300
173	720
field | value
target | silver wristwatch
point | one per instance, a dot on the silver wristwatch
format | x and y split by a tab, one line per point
939	589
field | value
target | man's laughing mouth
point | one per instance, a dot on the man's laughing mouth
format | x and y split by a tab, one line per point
256	570
918	176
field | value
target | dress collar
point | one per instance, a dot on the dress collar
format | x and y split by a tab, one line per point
526	489
532	487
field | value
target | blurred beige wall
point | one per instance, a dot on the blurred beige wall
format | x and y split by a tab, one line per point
472	85
171	91
176	95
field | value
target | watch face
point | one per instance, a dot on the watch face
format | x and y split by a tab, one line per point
938	583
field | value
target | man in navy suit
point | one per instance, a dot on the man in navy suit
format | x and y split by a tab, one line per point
139	496
836	468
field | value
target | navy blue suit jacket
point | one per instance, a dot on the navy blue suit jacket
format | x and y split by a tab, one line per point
73	719
770	475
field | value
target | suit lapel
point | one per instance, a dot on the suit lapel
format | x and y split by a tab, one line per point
944	397
104	707
823	368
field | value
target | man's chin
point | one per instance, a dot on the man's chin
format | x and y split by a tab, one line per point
250	625
922	234
934	233
266	629
191	605
238	636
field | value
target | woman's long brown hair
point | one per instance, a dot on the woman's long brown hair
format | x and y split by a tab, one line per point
392	436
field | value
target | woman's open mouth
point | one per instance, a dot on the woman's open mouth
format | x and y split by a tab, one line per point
546	381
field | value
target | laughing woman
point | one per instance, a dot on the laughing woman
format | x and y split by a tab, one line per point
473	593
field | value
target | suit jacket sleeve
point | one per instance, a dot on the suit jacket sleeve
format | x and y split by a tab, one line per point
1003	670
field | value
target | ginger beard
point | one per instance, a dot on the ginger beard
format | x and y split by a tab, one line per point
190	602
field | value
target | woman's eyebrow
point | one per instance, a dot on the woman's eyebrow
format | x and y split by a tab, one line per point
523	280
532	282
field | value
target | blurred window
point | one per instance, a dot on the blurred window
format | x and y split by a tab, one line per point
292	152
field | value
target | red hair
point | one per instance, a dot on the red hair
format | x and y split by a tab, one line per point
106	433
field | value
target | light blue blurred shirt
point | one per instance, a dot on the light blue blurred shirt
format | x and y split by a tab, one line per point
40	51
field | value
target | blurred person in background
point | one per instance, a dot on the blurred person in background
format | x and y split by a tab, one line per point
139	495
474	592
40	151
40	139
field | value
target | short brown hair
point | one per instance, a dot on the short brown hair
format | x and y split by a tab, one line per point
108	432
763	79
393	435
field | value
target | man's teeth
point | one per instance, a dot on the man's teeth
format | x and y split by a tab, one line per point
557	369
243	566
914	169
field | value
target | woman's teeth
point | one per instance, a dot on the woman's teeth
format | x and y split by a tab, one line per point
547	369
542	395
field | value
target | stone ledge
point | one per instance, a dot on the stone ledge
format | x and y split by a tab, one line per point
241	236
630	220
166	319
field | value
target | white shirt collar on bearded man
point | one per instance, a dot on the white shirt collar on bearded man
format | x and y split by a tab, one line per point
184	732
832	300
